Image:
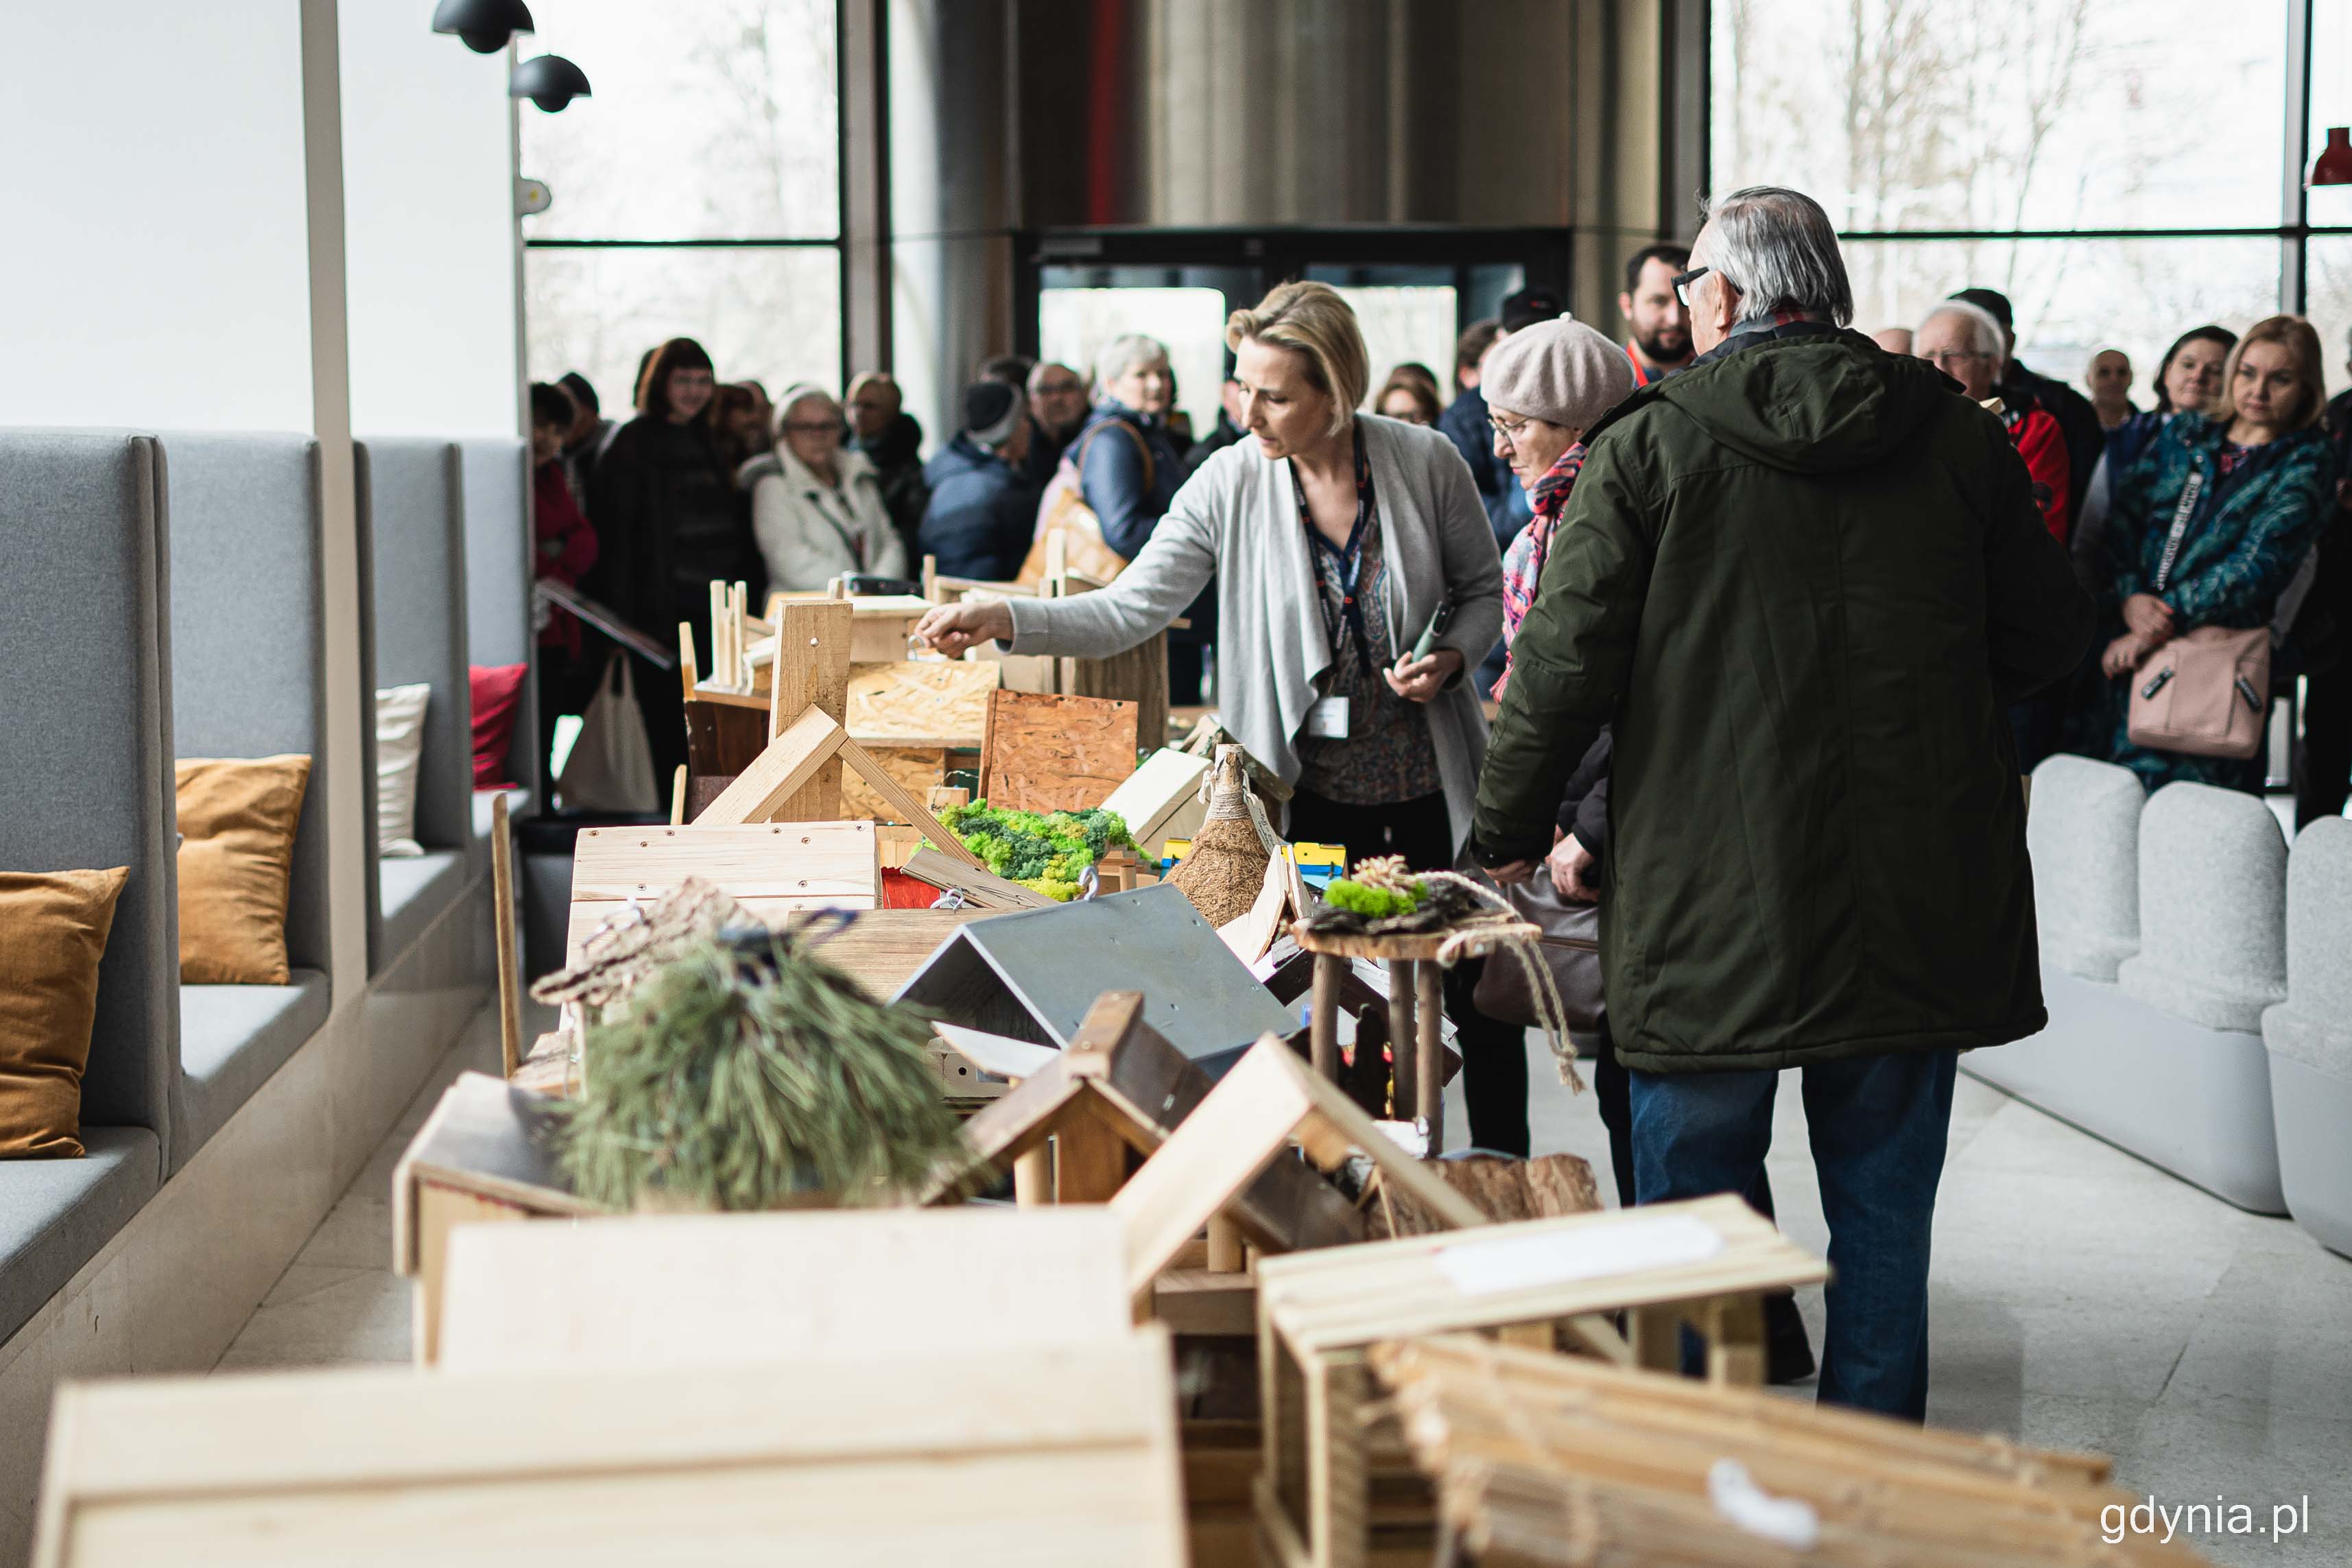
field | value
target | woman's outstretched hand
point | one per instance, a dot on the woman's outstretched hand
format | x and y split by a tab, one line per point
951	628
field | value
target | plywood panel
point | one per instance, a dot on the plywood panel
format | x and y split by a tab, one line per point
937	700
1055	753
918	771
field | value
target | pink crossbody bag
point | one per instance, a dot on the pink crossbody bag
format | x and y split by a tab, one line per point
2206	693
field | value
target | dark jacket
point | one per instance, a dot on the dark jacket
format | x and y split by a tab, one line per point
1128	480
1584	806
1465	424
898	465
982	513
1800	582
668	519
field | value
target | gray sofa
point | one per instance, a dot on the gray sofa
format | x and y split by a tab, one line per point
247	658
2310	1036
2155	1038
412	519
494	487
86	712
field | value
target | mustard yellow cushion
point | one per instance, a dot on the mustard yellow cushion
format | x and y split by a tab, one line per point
53	927
237	853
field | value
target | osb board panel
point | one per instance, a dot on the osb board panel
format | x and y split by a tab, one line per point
1055	753
921	700
760	860
918	772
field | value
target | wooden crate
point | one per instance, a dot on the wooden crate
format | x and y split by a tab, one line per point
773	869
735	1289
1561	1460
1708	1262
1059	1456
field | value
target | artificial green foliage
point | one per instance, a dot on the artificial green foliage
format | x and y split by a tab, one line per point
722	1082
1372	903
1048	852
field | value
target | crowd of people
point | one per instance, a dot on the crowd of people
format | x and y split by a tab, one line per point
1784	614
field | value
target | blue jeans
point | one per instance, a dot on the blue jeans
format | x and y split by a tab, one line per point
1878	1127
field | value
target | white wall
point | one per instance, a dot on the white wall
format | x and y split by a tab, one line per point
156	268
428	190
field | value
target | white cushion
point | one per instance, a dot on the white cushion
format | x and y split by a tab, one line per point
399	743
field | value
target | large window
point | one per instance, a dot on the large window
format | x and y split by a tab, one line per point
697	194
2120	171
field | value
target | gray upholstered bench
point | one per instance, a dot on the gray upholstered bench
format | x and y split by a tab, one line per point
2165	1062
247	661
2310	1036
82	635
412	516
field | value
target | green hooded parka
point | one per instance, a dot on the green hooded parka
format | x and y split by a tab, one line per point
1802	581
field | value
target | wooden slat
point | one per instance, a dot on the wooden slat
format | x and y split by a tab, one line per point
997	893
587	919
790	760
811	672
926	1457
1392	1288
802	860
903	806
736	1289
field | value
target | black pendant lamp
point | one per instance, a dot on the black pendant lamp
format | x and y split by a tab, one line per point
550	81
485	25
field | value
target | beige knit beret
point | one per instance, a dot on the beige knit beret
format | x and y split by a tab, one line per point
1561	371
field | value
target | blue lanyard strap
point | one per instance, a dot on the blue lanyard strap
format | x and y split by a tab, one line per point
1349	560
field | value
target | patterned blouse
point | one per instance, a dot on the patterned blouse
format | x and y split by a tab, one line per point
1388	755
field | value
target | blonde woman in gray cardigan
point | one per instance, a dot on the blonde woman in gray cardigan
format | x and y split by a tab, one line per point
1334	538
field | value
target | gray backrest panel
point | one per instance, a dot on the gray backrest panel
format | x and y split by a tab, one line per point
249	629
86	727
2083	829
499	566
419	587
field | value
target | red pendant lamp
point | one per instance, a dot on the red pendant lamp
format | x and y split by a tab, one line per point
2334	165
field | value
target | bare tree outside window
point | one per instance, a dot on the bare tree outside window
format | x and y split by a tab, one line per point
711	119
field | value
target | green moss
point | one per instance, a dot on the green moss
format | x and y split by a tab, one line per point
1372	903
1049	851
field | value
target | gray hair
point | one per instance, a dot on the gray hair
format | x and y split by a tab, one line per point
1779	249
1983	326
1123	353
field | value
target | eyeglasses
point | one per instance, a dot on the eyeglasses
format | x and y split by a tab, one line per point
813	426
1511	430
1944	358
1683	281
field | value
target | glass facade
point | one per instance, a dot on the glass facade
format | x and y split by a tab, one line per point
2120	171
697	194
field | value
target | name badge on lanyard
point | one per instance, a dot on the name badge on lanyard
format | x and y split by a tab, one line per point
1328	719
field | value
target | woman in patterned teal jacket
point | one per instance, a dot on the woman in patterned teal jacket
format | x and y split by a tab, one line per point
2268	478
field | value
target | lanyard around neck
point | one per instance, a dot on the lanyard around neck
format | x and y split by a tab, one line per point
1350	559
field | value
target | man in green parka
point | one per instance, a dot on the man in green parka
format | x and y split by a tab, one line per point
1802	581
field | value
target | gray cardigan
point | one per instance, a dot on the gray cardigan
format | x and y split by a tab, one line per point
1238	518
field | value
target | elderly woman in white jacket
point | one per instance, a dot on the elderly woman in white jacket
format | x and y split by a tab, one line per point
816	508
1334	538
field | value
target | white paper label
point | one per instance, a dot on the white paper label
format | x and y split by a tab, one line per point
1594	1252
1328	719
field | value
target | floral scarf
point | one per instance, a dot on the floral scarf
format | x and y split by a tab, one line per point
1523	564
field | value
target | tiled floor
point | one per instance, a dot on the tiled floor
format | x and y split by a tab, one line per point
2081	1298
